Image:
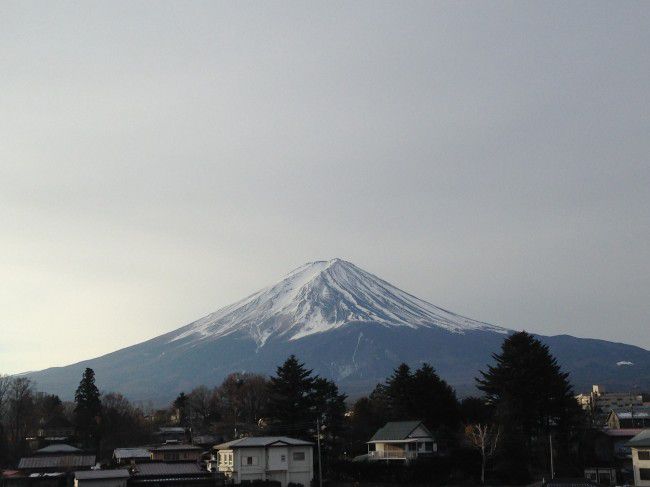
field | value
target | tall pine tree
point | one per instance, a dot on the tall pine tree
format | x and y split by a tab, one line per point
532	399
291	398
87	409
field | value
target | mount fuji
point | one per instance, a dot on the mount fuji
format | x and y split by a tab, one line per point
346	324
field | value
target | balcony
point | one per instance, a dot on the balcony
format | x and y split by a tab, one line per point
392	455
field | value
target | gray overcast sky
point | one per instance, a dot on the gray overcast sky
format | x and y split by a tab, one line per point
161	159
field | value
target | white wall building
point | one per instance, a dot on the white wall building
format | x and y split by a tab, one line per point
279	458
640	445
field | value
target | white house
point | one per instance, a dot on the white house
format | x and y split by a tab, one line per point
279	458
640	446
401	441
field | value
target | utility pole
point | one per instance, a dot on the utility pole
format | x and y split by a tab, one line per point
550	445
320	468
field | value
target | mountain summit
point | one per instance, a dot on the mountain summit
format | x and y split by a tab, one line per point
319	297
346	324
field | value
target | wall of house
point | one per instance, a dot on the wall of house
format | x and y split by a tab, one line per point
301	471
274	463
175	455
256	471
639	465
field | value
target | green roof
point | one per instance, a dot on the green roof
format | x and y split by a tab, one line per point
642	439
396	430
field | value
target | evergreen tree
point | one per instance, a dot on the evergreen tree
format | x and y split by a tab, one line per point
399	389
434	401
291	398
87	409
532	398
180	404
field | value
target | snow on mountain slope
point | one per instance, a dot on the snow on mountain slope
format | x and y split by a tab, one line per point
321	296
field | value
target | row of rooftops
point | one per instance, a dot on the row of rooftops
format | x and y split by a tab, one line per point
63	457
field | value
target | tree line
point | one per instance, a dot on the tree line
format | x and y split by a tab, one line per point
502	435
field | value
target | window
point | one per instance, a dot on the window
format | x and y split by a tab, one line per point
283	458
644	473
644	454
428	446
250	460
371	447
412	446
299	456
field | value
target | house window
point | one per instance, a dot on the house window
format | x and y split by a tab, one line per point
412	446
299	456
428	446
250	460
644	473
372	447
644	454
283	458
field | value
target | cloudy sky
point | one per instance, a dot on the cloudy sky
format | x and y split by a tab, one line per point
161	159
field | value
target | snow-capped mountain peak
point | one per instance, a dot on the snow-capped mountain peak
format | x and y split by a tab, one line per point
321	296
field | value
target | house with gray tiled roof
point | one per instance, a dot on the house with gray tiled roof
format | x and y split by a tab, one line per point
402	441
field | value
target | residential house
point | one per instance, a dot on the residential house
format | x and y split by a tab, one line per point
172	475
56	463
167	434
640	446
59	449
101	478
621	426
56	429
17	478
629	418
402	441
601	475
176	453
278	458
130	456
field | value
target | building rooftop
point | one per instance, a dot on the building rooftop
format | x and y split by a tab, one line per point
640	440
120	453
61	462
176	447
395	430
579	482
58	448
121	473
622	431
257	441
167	469
171	429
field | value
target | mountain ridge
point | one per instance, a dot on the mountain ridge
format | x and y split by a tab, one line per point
345	323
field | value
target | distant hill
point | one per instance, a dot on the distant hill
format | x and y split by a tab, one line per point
346	324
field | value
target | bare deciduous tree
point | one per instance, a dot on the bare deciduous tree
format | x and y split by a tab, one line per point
484	438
